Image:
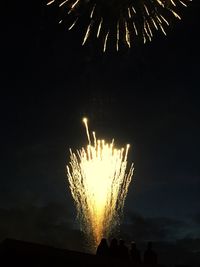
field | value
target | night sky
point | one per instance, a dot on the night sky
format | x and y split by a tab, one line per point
147	96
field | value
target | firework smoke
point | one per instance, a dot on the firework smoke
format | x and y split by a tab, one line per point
99	183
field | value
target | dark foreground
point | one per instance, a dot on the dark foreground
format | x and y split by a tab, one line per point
20	253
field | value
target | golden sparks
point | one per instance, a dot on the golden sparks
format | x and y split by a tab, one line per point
133	19
99	182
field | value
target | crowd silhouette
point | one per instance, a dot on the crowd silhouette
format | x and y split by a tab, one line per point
119	250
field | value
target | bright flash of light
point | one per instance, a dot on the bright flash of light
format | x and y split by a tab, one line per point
120	22
99	182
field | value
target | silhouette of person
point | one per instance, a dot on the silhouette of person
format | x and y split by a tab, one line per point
123	250
102	249
114	248
135	254
150	256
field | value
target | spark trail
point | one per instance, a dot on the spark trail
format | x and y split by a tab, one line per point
120	22
99	184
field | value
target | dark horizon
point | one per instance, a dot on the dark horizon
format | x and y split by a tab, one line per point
22	251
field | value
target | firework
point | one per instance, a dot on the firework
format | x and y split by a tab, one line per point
99	183
121	21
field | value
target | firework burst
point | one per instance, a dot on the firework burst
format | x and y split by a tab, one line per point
99	183
121	21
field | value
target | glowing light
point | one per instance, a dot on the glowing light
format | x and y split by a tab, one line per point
99	184
133	19
50	2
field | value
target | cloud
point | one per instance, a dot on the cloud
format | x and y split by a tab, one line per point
170	238
140	228
51	225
